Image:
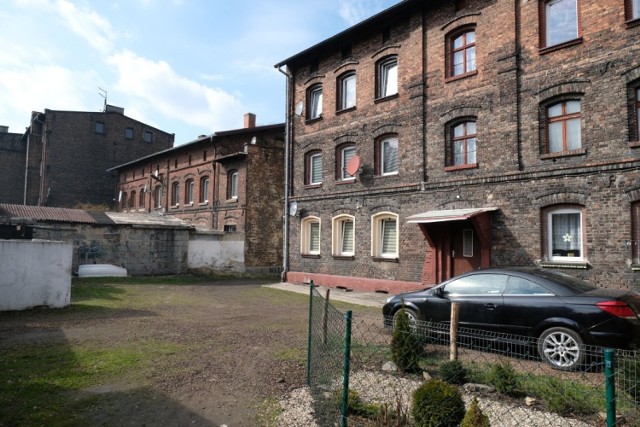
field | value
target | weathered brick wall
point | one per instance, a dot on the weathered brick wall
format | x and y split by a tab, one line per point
77	158
142	251
13	155
514	82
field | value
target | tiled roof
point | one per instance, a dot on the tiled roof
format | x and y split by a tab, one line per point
45	213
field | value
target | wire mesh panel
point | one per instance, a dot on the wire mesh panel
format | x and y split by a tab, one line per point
326	358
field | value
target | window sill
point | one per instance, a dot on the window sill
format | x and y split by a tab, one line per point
578	152
346	110
384	259
634	144
386	98
346	181
460	167
460	76
313	120
311	256
635	267
232	200
581	265
553	48
206	202
311	186
344	257
633	22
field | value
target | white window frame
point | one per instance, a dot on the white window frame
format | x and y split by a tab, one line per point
635	9
233	185
203	197
388	77
378	223
337	235
175	194
346	153
383	142
157	192
305	236
314	104
348	91
580	234
312	168
190	187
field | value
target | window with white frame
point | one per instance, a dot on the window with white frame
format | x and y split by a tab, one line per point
387	74
157	197
175	194
232	185
387	155
346	91
559	22
343	235
344	154
310	236
313	168
384	235
564	234
632	9
189	189
314	102
204	190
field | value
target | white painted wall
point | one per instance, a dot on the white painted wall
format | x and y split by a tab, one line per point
34	273
217	252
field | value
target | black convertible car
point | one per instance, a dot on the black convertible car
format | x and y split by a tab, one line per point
563	313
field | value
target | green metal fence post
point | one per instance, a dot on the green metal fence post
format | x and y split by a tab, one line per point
309	334
347	362
610	381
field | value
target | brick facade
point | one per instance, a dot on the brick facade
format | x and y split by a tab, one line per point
255	155
507	96
65	156
12	153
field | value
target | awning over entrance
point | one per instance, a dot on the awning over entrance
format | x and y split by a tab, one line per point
447	215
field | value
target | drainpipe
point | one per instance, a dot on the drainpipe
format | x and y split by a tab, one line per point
287	172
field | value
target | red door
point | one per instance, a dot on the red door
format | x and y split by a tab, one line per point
465	245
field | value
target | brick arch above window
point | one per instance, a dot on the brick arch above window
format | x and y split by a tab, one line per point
577	87
383	130
387	50
632	74
458	21
343	139
560	198
459	113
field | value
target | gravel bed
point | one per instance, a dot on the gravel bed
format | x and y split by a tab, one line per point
383	388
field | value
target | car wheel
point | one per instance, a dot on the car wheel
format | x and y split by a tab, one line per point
413	316
562	348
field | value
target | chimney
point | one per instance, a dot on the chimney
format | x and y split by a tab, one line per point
4	129
249	120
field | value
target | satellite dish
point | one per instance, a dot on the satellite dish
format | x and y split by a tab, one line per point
353	165
299	107
254	140
293	208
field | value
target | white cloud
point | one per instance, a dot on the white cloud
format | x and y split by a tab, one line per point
87	24
354	11
154	85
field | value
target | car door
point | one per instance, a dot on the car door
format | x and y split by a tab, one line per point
526	304
480	298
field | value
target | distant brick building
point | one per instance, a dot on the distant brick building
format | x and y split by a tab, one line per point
228	185
63	156
439	137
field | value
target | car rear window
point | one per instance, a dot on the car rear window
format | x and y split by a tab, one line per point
577	285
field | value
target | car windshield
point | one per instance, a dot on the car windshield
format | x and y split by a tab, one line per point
575	284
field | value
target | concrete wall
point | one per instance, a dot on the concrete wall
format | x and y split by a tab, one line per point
216	251
141	250
34	273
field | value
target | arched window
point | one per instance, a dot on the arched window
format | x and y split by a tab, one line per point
313	168
141	199
132	200
387	155
189	187
384	235
204	190
157	197
462	143
346	97
344	153
232	184
563	126
310	236
343	235
314	101
175	194
387	76
461	52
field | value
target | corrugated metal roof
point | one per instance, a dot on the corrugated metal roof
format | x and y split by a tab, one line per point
147	219
45	213
447	215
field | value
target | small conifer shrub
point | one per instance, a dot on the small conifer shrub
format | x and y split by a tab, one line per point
406	348
436	403
475	417
453	372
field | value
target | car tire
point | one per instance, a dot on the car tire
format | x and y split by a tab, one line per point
413	315
561	348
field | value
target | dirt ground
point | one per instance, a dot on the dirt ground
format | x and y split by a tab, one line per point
239	345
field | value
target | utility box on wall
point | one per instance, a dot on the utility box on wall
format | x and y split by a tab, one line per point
34	273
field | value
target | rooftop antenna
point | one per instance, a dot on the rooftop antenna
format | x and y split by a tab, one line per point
103	93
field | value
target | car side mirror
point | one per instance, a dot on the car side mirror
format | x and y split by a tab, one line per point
439	292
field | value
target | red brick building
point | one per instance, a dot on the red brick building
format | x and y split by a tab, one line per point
439	137
228	185
63	156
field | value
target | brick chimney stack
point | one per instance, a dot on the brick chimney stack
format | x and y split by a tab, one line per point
249	120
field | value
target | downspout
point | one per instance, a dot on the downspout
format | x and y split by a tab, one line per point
215	180
287	173
518	24
425	175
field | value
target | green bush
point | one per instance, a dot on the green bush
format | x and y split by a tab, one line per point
406	348
504	378
475	417
436	403
453	372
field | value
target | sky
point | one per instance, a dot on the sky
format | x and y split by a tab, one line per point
188	67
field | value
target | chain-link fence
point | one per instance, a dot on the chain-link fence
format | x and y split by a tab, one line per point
504	373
